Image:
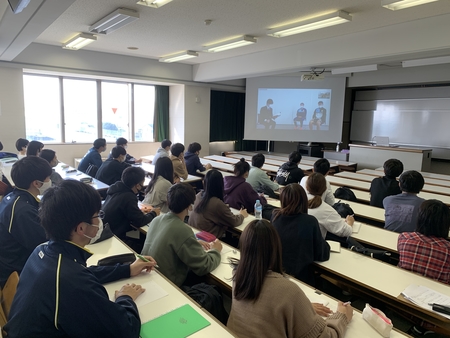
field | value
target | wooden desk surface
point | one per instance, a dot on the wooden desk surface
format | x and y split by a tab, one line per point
229	160
78	175
233	158
376	236
381	280
174	299
426	174
150	169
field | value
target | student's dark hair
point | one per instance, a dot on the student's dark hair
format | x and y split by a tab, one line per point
316	185
121	141
166	143
98	143
117	151
269	101
295	157
65	206
193	147
258	160
180	196
241	167
132	176
260	248
34	147
322	166
1	145
293	201
29	169
393	168
434	219
47	154
20	143
411	181
213	188
177	149
163	168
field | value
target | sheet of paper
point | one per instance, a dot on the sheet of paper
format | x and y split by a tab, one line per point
423	296
356	226
152	292
334	246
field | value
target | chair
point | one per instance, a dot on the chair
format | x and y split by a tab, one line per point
6	298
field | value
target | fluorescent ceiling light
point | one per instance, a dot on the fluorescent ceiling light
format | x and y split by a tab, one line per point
426	62
230	44
401	4
79	41
179	57
311	24
153	3
117	19
356	69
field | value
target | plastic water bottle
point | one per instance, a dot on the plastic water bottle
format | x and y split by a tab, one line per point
258	210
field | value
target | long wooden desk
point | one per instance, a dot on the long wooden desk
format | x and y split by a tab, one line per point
431	185
78	175
233	158
174	299
214	160
150	169
426	174
428	180
382	281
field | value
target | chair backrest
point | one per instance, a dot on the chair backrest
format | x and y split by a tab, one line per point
8	292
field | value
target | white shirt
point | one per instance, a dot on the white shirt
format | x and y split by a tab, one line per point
327	196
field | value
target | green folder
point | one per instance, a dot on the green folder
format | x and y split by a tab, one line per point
178	323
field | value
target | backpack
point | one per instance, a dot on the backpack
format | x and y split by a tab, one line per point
345	194
343	209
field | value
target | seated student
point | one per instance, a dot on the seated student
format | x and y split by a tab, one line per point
162	151
179	166
93	155
57	295
173	244
20	230
193	161
21	146
210	213
111	170
322	166
258	178
266	303
402	210
289	172
237	192
328	218
122	142
387	185
162	180
50	156
121	204
427	250
34	148
299	233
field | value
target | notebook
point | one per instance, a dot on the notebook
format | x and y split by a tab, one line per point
178	323
334	246
355	227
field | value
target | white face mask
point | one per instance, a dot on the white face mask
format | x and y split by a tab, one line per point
125	147
44	187
99	231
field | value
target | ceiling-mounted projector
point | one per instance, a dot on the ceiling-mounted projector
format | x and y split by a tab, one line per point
312	77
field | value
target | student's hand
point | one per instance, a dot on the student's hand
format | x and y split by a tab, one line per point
322	310
132	290
350	220
176	180
347	310
204	244
243	212
138	161
208	166
216	245
139	265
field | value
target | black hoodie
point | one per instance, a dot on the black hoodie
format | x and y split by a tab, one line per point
288	173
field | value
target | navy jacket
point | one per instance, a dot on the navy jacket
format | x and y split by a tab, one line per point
111	171
91	157
58	296
193	163
20	231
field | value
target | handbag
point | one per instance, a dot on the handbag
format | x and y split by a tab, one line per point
382	255
343	209
345	194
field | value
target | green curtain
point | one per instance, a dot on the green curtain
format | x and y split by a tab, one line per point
161	117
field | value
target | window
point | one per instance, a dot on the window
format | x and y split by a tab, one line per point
126	109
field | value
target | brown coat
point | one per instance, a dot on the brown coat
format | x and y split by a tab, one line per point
179	168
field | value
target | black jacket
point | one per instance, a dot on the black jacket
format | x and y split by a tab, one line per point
111	171
121	209
193	163
288	173
382	187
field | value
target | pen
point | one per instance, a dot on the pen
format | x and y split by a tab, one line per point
445	309
145	259
346	303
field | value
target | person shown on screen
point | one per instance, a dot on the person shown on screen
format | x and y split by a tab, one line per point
266	116
319	117
301	116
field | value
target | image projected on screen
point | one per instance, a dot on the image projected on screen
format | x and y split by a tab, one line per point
293	109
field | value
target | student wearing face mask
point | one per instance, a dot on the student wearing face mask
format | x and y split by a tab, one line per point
58	296
121	204
122	142
20	230
111	170
50	156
